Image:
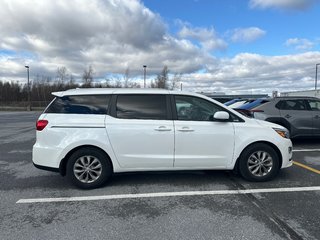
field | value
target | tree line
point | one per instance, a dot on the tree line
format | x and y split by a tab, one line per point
42	86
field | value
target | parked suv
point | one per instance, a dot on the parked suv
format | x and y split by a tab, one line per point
300	115
89	134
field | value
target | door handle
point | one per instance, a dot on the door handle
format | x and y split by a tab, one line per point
162	129
185	129
316	117
287	116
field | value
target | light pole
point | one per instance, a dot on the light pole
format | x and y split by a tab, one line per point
144	72
29	103
316	77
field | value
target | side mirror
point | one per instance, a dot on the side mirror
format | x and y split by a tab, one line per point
221	116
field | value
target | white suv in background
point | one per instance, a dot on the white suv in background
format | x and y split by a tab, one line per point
89	134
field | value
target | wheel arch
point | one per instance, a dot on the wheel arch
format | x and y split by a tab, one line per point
63	162
263	142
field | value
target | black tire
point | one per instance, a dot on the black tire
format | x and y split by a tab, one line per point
259	162
93	163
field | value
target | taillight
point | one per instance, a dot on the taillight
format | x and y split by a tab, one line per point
41	124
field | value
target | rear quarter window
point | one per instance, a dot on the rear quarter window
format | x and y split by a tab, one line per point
80	104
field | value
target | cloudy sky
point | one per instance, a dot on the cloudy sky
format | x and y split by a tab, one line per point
231	46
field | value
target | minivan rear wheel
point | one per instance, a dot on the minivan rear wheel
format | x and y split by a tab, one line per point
259	162
88	168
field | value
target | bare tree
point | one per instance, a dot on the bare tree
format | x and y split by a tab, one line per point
107	83
126	77
134	85
37	86
71	79
161	80
174	82
62	74
87	76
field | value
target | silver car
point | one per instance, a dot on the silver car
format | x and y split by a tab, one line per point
300	115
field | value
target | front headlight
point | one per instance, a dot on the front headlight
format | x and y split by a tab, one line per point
282	132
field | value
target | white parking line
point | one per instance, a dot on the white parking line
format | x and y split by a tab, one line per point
306	150
168	194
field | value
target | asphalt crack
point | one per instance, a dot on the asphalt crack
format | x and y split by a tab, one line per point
273	217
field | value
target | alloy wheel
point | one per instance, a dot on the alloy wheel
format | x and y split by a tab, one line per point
260	163
87	169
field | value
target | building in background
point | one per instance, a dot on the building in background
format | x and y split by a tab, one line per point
306	93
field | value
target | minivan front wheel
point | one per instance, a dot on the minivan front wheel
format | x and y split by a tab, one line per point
88	168
259	162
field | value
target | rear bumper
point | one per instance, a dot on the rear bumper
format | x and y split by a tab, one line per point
46	158
46	168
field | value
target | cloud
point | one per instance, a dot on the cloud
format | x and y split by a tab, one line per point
247	35
110	35
300	43
247	73
75	21
113	35
207	37
282	4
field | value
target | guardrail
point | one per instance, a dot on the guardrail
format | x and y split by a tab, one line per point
23	106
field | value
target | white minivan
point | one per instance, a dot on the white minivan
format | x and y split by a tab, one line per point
89	134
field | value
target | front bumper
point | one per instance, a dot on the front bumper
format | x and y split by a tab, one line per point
286	152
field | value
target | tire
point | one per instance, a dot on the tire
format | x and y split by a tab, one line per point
88	168
259	162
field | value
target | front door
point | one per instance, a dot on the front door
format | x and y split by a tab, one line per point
298	115
199	141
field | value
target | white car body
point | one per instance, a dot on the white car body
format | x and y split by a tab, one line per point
153	145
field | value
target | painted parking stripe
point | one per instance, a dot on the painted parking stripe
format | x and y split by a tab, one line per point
306	150
306	167
168	194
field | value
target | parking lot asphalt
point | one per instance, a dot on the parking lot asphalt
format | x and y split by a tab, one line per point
290	211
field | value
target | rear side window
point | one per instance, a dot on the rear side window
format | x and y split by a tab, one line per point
291	105
314	105
80	104
152	106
